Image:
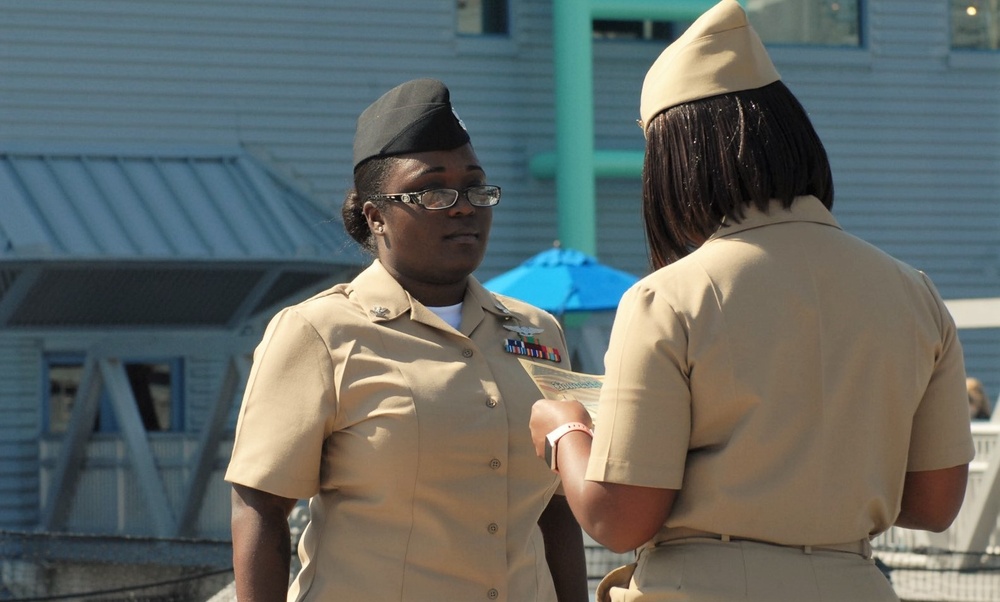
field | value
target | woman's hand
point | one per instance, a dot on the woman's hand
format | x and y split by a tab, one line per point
549	414
620	517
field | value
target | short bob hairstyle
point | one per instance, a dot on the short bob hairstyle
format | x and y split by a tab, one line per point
709	159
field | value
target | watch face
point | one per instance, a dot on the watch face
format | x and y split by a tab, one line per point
548	454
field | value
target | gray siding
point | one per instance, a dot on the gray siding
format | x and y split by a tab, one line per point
286	80
20	380
911	127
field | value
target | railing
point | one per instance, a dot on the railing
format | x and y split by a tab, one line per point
986	437
107	500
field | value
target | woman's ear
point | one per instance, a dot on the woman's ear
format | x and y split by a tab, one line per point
373	214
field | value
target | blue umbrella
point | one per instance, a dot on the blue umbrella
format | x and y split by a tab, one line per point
564	280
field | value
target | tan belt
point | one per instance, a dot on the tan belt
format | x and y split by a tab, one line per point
862	547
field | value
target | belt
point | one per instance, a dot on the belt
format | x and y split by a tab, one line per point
861	547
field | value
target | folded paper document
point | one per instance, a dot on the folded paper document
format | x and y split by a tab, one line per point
556	383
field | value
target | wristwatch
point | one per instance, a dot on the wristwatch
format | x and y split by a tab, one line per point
552	440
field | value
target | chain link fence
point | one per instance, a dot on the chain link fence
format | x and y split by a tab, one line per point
36	567
49	566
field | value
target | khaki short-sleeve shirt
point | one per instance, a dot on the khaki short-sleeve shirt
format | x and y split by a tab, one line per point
411	439
784	377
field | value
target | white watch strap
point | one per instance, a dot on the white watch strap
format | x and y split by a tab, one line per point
559	432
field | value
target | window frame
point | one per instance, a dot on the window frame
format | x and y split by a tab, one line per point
972	49
648	27
106	421
507	18
862	28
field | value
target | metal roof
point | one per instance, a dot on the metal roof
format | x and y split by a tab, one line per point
140	238
168	204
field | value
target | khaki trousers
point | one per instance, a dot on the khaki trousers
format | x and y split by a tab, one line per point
712	570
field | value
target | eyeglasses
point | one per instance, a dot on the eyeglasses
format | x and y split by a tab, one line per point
443	198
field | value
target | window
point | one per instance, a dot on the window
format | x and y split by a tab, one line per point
155	385
975	24
814	22
482	17
818	22
64	380
665	31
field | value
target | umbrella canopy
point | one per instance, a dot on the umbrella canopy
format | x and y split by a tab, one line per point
564	280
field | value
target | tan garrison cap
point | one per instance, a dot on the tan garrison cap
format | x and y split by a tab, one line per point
718	54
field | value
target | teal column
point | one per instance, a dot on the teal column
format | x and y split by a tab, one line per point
575	163
574	96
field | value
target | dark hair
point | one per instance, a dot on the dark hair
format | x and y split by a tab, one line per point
369	178
709	159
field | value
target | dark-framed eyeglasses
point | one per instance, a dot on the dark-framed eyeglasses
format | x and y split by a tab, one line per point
443	198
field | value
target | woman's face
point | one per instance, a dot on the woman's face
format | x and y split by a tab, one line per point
432	252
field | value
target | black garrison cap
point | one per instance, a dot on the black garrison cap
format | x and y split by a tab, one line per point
413	117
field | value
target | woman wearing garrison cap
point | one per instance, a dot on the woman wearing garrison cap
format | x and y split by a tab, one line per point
777	392
396	403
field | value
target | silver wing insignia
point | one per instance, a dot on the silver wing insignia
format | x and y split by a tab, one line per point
524	331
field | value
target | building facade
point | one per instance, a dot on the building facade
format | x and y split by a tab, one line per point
905	94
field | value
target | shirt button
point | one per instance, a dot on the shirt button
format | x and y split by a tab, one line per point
491	403
493	528
492	594
466	353
494	463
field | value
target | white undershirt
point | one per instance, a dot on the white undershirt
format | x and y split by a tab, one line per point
452	314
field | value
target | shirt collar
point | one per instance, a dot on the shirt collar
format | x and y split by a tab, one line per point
384	299
803	209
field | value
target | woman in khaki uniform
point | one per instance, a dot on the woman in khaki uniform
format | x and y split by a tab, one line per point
778	391
396	403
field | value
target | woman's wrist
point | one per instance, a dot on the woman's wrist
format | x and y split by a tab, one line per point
553	437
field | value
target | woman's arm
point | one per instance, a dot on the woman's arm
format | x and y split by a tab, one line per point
932	498
564	551
261	544
619	517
